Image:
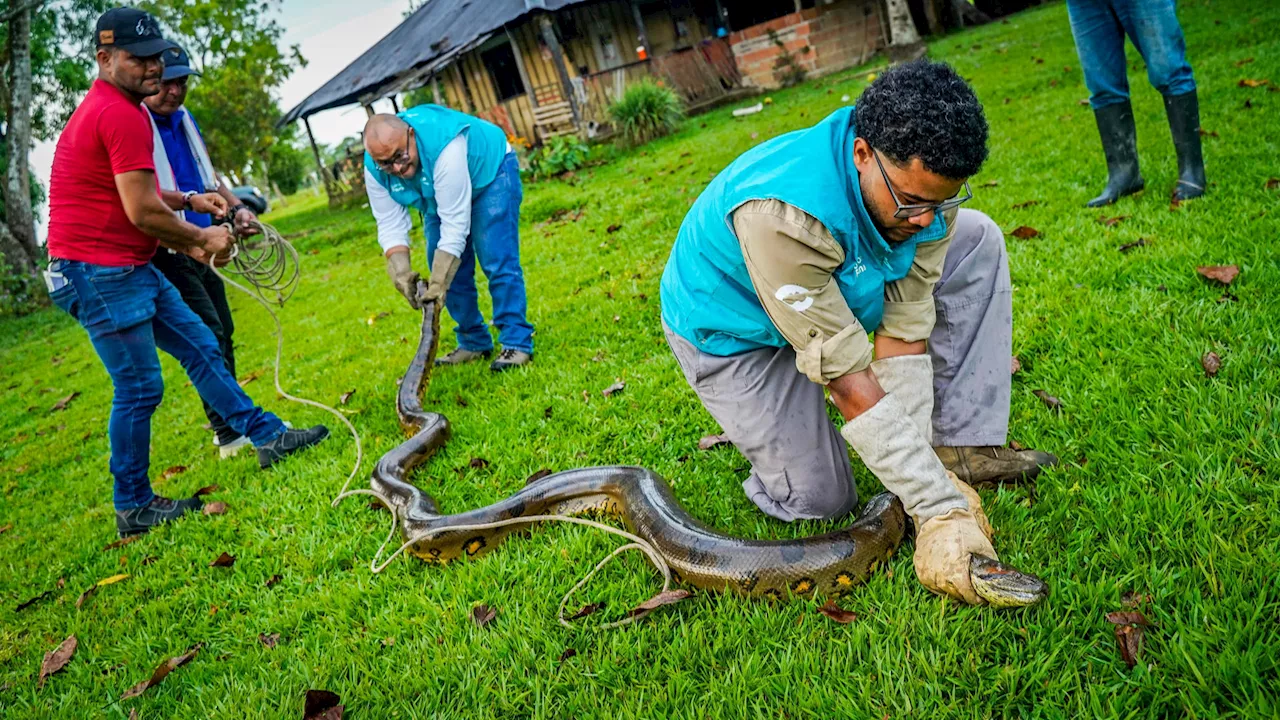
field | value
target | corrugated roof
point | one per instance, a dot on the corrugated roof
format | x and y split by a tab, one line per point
428	39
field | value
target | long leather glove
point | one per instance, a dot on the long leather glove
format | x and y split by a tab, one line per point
891	445
404	277
444	266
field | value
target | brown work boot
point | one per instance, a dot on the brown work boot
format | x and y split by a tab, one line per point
460	356
510	358
986	465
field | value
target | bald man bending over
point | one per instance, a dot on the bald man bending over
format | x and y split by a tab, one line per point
461	174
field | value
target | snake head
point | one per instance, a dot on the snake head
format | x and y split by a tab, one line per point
1003	586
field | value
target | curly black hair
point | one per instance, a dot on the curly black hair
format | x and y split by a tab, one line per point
924	109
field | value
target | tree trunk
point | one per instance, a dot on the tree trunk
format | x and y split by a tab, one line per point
21	251
902	29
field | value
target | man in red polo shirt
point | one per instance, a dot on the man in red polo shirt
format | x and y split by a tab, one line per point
106	214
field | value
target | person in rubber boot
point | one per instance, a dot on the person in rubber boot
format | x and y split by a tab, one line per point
801	247
461	174
1099	28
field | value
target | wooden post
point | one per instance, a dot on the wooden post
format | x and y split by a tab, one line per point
524	75
435	89
557	58
464	92
368	110
324	175
641	32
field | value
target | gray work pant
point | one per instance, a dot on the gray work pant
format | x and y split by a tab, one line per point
777	417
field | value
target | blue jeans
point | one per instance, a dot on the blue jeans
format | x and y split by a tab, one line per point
495	241
129	312
1099	27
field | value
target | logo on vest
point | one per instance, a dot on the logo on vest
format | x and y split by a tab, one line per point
798	298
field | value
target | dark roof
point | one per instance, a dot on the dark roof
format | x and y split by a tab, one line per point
427	40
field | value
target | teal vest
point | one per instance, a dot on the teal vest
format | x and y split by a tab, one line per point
707	295
433	127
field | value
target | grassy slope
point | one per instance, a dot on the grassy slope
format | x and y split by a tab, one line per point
1169	486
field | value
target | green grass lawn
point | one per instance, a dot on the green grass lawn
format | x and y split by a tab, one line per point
1169	487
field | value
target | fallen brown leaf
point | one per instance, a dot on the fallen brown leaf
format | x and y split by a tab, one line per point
1127	617
1252	83
990	183
663	598
1133	599
148	560
711	441
122	542
1211	363
344	397
1014	365
1026	204
478	463
1220	273
249	378
387	641
537	476
7	527
1129	640
1208	133
1023	232
223	560
586	610
215	508
1015	445
837	613
271	581
1140	242
269	640
1242	63
460	401
322	705
1112	221
28	603
616	387
85	595
1273	183
1049	401
568	653
172	471
56	659
208	489
613	228
62	404
482	615
162	672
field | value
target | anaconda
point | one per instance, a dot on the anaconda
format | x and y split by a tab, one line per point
828	564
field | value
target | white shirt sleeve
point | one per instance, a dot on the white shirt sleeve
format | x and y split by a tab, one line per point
452	180
392	217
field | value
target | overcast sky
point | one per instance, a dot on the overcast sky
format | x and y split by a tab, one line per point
330	37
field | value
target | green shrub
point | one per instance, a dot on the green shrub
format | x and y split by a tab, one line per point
647	111
558	155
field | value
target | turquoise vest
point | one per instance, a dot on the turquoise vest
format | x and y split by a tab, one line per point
707	295
433	127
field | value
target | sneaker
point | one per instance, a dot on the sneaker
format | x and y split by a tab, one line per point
460	356
137	521
288	443
232	446
986	465
510	358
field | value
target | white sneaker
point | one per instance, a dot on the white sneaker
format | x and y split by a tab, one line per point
232	448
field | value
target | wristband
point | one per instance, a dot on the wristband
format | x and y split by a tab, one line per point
186	199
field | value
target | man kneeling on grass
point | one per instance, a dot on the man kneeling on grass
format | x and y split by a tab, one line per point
105	216
808	241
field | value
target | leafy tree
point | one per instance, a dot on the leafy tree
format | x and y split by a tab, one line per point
290	162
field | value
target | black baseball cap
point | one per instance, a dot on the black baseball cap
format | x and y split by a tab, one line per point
176	64
132	30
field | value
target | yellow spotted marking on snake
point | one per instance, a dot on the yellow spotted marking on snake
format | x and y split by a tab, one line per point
802	586
474	545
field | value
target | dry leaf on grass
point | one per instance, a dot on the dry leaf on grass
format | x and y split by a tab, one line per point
1049	401
568	653
1140	242
613	228
28	603
56	659
322	705
461	401
269	640
586	610
614	388
1253	83
663	598
1242	63
7	527
161	672
223	560
837	613
121	542
1024	232
1272	183
482	615
1014	365
215	508
1027	204
249	378
1219	273
208	489
1211	363
478	463
342	399
271	581
62	404
1112	221
1127	617
1129	640
711	441
172	471
990	183
1133	599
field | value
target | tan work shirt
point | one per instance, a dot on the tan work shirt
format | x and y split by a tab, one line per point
786	248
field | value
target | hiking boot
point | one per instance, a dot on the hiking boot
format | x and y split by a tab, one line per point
1120	145
460	356
986	465
289	442
1184	124
510	358
139	520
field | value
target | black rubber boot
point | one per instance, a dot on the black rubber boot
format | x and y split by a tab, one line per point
1184	124
288	443
160	510
1120	144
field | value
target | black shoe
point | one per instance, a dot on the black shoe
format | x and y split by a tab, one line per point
288	443
1120	145
1184	123
160	510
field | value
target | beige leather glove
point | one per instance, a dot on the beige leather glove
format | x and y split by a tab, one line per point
948	531
404	278
443	267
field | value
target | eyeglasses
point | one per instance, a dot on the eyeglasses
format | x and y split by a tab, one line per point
909	211
393	163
